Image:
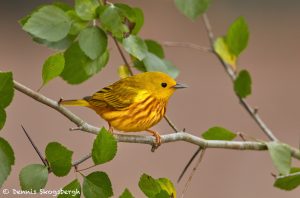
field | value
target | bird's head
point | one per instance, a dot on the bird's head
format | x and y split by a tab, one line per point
159	84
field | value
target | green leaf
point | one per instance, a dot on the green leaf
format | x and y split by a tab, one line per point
73	189
112	20
289	182
6	88
86	9
242	84
126	11
49	22
75	63
139	64
7	159
149	186
126	194
96	65
237	36
138	21
222	50
158	188
33	177
281	156
192	8
97	184
2	117
162	194
53	67
168	186
218	133
155	48
135	46
24	19
154	63
77	23
59	158
57	45
135	17
64	6
93	42
104	147
79	67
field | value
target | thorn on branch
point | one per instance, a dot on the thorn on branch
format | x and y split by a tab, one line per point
255	111
59	101
241	135
274	175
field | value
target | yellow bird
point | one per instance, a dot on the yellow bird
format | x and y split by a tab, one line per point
132	104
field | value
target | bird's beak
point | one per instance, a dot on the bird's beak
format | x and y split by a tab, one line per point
180	86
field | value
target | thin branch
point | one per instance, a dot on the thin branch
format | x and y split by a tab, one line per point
188	164
193	173
252	111
172	137
53	104
83	159
187	45
171	124
122	55
35	147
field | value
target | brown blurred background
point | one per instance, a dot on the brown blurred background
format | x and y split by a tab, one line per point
272	58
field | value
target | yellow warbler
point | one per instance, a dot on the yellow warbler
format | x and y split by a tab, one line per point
132	104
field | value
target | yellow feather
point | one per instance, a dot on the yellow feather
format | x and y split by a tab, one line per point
132	104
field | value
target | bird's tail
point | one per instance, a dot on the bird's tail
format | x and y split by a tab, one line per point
81	102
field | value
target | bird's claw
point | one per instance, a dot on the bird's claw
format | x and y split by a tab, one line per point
157	142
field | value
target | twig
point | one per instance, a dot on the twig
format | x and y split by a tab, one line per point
252	111
76	163
193	173
188	164
35	147
187	45
87	168
171	124
172	137
122	55
53	104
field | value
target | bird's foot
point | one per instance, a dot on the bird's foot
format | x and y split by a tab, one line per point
157	142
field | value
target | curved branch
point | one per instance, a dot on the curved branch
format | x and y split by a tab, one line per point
252	111
54	104
173	137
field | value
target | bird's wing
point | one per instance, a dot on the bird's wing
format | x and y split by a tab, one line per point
116	96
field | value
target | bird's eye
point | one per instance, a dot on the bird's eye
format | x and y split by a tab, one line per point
164	85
